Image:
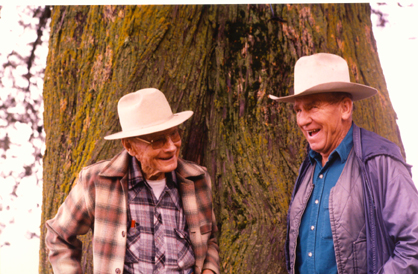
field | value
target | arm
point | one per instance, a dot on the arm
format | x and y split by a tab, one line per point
211	263
399	202
73	218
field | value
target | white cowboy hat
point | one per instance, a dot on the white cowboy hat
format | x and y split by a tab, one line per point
324	72
146	111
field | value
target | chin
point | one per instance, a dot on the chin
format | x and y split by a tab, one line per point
315	148
169	168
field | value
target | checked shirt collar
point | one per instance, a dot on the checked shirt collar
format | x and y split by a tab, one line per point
136	182
152	245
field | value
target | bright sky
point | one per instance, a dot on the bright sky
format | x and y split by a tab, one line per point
24	213
397	45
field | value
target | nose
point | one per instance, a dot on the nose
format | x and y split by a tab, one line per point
169	145
303	118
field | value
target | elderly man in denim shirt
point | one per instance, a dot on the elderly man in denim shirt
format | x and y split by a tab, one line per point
354	206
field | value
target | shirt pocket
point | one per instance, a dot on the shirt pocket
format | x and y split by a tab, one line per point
138	251
205	228
133	244
326	232
185	254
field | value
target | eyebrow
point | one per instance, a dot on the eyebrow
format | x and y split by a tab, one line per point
307	105
312	103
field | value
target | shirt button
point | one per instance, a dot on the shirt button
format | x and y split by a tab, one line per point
310	254
316	201
117	271
312	227
321	176
123	234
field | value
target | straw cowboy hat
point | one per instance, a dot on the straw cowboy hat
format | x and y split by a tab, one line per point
324	72
146	111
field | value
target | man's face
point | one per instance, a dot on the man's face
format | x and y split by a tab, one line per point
156	162
324	124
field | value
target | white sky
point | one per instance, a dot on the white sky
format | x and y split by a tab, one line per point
397	45
24	213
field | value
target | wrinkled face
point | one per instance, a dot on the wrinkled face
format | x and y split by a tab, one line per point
155	162
324	124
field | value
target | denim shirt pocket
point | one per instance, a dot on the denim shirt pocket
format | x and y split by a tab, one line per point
186	258
326	232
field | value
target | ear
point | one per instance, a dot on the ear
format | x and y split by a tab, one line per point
346	108
126	143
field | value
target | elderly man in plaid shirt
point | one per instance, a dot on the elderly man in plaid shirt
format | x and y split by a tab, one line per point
150	211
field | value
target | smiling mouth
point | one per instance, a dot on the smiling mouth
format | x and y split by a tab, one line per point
312	132
167	158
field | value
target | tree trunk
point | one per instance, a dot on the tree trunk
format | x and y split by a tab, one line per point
221	62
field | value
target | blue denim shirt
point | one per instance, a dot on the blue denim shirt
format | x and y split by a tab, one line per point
315	247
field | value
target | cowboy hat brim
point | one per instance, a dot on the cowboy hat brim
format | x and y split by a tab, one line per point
175	120
358	91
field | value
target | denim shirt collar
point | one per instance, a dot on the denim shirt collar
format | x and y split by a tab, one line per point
342	151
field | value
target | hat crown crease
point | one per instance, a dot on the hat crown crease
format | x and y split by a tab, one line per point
150	108
144	112
321	73
332	68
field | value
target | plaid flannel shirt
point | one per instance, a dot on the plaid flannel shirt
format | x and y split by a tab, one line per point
99	202
151	215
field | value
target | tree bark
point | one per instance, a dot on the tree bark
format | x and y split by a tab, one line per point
221	61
